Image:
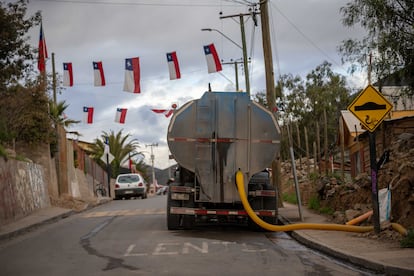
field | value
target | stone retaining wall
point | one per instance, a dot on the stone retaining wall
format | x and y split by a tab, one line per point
22	189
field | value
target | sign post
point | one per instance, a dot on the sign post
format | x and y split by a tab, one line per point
107	158
370	107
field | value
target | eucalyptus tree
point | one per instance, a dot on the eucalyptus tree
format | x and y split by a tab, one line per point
389	38
306	101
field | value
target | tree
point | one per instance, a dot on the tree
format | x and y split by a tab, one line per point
143	169
24	108
24	115
119	148
58	117
57	114
15	50
390	37
306	101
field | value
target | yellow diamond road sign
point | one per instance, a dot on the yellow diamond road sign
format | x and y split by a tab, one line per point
370	107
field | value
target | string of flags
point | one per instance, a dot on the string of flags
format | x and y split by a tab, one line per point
120	115
132	77
132	70
98	74
166	112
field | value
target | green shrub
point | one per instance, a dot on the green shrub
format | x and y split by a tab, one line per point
290	198
326	210
408	241
3	152
314	203
313	176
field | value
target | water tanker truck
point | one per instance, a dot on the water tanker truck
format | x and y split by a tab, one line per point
211	138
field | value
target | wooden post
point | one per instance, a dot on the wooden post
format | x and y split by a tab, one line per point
325	122
314	159
307	152
342	137
270	85
318	145
299	145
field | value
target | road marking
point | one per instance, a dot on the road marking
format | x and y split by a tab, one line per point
137	212
203	249
130	254
250	250
185	248
161	248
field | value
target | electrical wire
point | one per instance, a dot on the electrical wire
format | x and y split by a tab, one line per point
305	36
138	4
274	42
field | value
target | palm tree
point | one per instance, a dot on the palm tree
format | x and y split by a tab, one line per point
142	169
118	147
60	120
57	114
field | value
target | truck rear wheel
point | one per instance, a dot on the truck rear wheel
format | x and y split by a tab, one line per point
188	221
173	221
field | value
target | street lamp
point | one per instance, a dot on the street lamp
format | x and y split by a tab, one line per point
246	69
232	41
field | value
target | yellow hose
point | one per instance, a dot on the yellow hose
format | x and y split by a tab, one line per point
291	227
399	228
360	218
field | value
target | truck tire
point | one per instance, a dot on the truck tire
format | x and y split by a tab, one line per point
270	203
257	204
173	221
188	221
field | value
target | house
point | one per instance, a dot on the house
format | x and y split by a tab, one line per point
354	140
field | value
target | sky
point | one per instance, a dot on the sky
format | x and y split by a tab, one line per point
305	33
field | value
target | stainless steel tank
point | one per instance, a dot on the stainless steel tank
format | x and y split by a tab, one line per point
218	134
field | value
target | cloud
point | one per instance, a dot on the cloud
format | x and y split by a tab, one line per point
303	36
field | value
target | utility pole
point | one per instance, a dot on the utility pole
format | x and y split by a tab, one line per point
270	89
236	71
152	161
267	53
244	48
57	132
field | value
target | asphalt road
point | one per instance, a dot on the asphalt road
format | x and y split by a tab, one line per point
130	237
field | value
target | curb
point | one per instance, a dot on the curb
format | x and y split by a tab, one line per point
356	261
28	228
50	220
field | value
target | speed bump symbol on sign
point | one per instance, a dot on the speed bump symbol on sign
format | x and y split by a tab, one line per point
370	107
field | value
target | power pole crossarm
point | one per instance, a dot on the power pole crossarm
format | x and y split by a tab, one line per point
244	48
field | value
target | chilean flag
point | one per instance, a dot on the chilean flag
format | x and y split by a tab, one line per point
166	112
67	74
120	115
98	73
42	55
132	75
173	66
88	114
213	61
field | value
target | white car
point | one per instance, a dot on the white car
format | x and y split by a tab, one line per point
130	185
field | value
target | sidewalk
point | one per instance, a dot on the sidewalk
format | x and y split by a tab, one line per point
381	256
38	218
378	255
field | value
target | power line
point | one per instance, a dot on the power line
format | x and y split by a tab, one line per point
305	36
177	4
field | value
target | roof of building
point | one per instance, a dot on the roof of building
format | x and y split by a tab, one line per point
352	123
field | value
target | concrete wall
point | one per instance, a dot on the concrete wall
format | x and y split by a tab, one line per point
22	189
80	184
28	186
